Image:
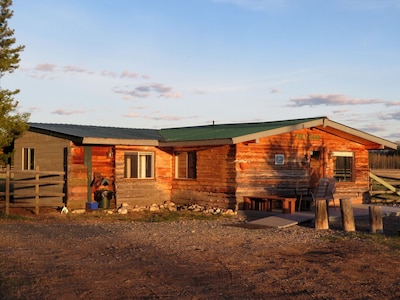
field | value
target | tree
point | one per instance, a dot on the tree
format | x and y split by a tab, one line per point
12	123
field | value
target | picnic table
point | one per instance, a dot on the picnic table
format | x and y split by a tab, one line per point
267	203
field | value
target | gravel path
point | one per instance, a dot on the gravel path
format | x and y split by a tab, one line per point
67	258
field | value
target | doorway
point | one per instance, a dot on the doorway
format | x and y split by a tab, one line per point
315	168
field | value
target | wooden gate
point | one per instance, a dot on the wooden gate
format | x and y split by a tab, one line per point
31	188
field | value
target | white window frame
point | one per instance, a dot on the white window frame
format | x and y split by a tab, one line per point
28	159
144	167
344	177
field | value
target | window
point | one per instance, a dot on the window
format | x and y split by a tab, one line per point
28	159
139	165
343	166
185	165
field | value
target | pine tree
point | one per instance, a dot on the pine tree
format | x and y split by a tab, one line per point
12	123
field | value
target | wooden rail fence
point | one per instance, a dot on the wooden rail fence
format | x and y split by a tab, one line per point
385	186
33	183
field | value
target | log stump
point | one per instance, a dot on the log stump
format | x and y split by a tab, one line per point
346	210
375	219
321	215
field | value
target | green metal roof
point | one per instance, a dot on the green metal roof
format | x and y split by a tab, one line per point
224	131
203	135
87	131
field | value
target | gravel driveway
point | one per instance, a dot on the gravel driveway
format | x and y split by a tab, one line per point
59	257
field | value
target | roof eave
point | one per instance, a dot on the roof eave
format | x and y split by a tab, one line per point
196	143
376	142
281	130
113	141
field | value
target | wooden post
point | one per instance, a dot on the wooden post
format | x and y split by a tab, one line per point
37	177
321	215
347	215
375	219
8	180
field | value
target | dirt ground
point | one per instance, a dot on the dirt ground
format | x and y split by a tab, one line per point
54	256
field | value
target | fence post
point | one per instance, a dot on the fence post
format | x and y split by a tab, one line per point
37	177
8	175
347	215
321	215
375	218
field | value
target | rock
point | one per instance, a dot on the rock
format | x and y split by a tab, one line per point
172	208
122	211
138	208
229	212
154	207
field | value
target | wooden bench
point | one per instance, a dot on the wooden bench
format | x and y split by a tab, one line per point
265	203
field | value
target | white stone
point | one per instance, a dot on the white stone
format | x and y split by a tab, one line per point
172	208
229	212
122	211
154	208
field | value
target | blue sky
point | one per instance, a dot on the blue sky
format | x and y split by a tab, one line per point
172	63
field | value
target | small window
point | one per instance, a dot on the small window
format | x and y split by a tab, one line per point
343	166
139	165
185	165
28	159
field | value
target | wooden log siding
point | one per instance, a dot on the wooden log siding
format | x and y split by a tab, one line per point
215	181
263	176
144	191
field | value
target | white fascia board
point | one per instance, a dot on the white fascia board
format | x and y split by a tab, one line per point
280	130
107	141
366	136
197	143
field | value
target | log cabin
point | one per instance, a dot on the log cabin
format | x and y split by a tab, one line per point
213	165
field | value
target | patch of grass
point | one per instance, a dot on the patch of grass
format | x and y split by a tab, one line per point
392	242
13	217
147	216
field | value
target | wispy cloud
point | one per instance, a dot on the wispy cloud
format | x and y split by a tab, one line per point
274	91
198	91
45	67
127	74
168	118
131	115
159	117
147	90
373	128
333	100
389	116
394	103
76	69
108	74
33	109
341	111
53	68
68	112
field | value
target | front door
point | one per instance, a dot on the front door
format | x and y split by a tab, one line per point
315	168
